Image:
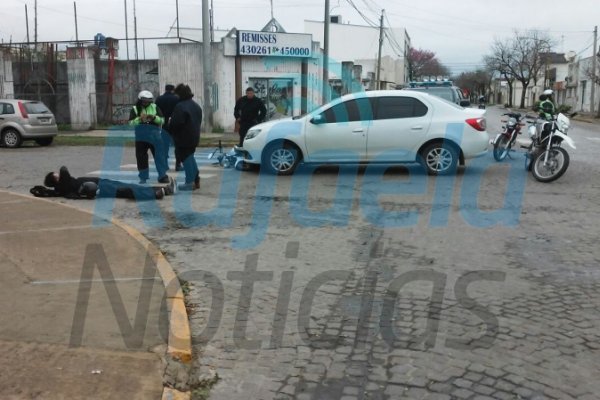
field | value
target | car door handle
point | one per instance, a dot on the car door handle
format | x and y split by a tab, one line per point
358	130
416	128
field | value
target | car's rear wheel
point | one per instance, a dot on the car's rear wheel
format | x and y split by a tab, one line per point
280	158
11	138
47	141
440	158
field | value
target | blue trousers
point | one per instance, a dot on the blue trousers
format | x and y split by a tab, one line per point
148	137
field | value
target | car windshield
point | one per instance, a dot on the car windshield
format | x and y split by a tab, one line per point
36	108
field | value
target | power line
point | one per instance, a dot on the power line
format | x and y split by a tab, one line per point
364	17
89	18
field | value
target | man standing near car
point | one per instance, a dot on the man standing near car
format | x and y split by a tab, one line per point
167	102
249	111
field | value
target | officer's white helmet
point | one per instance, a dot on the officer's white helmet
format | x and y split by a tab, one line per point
548	92
146	95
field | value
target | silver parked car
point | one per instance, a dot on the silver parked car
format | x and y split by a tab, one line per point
26	120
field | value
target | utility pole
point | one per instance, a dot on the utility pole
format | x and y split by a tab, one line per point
177	18
378	79
135	32
212	22
35	36
126	31
206	66
594	68
27	24
76	29
327	21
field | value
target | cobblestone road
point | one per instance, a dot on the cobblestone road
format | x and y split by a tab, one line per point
461	301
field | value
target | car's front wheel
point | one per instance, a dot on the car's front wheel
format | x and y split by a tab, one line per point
11	138
280	158
440	158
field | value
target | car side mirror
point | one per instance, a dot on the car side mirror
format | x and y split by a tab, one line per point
317	119
465	103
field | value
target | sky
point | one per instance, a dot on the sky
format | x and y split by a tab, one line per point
460	32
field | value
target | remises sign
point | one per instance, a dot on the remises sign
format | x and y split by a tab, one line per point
274	44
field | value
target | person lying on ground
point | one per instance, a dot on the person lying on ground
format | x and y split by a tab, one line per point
62	184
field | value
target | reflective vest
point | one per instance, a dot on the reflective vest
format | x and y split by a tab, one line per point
547	109
151	109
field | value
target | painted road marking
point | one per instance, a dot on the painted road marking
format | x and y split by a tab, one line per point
64	228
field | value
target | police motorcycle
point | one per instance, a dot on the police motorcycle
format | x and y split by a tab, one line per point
546	158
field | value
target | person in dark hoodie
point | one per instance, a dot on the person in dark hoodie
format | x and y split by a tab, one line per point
249	110
184	126
166	103
65	185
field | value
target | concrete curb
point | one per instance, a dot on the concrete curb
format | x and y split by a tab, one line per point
179	345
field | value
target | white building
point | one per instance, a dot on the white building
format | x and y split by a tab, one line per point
360	45
283	68
579	86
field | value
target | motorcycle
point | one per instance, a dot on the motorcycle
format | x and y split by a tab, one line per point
481	103
233	158
546	159
505	140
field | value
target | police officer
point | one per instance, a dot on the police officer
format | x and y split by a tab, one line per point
148	119
249	110
547	108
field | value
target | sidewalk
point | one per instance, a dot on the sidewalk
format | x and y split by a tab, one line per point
206	139
82	306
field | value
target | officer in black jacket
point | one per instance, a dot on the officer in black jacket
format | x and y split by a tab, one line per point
249	110
184	126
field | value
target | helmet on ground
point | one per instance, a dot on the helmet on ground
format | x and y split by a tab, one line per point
548	92
145	95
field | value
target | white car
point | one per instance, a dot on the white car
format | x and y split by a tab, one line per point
388	127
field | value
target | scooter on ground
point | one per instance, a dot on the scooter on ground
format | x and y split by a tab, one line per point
234	158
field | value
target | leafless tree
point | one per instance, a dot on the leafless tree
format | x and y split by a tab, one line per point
495	64
522	57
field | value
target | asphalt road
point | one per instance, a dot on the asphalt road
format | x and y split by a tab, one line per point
373	284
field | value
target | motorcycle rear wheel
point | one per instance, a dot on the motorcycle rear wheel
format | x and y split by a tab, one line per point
558	162
501	148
